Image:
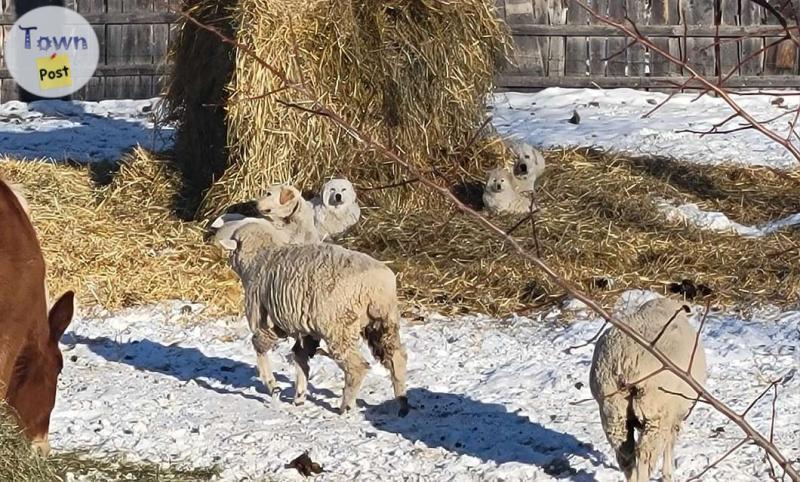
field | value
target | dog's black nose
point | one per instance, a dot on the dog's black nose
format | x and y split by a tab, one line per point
522	168
338	197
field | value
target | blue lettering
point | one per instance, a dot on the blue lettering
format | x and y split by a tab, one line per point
27	35
62	43
82	40
43	43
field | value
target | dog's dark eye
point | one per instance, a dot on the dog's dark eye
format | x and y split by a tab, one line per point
527	156
269	194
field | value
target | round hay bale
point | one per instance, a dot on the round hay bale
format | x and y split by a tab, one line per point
414	74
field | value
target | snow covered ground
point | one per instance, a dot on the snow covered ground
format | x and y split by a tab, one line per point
612	119
492	400
80	131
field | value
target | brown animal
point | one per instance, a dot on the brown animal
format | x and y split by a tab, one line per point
30	360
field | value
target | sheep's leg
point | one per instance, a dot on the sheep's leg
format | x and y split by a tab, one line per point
263	341
355	369
386	347
648	449
668	463
304	348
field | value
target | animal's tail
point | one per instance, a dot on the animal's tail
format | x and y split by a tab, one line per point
626	451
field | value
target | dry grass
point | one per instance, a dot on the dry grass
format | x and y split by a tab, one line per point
18	463
120	245
412	73
598	226
17	460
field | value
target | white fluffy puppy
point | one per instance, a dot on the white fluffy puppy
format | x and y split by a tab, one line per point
284	206
335	209
528	166
500	196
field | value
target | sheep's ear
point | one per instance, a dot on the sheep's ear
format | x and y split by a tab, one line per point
287	194
228	244
218	222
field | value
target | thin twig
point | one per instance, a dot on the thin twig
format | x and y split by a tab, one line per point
665	360
591	340
717	462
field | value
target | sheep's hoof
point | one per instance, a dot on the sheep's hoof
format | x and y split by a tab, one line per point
274	392
344	410
404	407
299	400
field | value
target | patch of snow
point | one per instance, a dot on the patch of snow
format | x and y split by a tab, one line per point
690	213
612	119
81	131
492	401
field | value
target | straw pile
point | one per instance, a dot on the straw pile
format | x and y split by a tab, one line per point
120	244
599	227
414	74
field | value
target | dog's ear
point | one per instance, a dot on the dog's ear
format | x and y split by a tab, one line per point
287	194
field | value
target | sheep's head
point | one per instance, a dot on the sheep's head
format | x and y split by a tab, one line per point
338	192
279	201
498	181
251	234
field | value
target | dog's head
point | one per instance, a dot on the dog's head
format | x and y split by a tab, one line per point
498	181
526	159
279	201
338	192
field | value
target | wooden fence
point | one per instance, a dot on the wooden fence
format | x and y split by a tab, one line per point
134	40
556	44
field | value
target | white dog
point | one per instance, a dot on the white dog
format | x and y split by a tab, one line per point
500	195
528	166
284	206
335	209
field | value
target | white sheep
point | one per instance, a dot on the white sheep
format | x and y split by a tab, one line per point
501	197
528	166
629	404
284	206
318	292
335	209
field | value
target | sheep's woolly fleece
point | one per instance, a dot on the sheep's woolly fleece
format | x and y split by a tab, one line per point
492	399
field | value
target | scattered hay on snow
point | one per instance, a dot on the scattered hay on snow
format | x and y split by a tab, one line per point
120	245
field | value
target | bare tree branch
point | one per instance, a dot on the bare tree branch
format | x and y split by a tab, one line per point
321	109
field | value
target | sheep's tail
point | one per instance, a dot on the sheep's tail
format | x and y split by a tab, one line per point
627	450
620	423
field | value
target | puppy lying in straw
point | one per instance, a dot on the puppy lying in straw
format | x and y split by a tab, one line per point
335	209
500	195
528	166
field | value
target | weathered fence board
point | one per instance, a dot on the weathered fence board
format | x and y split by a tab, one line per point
706	33
134	38
556	43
